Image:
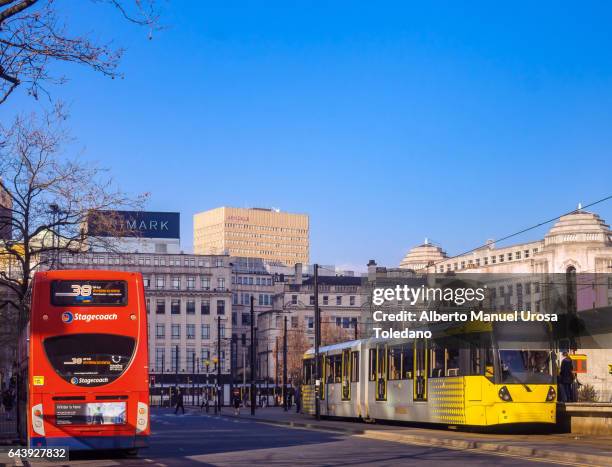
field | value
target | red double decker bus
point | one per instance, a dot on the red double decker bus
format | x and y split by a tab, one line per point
86	362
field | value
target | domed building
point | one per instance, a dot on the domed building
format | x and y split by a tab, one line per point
580	242
419	257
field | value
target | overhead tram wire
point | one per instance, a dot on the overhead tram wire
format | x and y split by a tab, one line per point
540	224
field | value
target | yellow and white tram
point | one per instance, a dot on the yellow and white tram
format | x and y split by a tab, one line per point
499	374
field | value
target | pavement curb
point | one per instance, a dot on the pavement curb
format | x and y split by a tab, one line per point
483	446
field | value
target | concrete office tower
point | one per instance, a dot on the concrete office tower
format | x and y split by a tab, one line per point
255	232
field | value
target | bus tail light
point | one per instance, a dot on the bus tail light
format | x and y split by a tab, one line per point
38	424
142	419
551	394
504	394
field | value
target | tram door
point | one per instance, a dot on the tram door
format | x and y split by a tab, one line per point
381	373
346	375
420	370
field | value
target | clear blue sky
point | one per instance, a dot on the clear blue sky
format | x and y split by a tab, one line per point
387	122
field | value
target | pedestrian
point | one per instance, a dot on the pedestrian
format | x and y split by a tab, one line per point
205	403
566	378
7	402
236	402
179	401
298	399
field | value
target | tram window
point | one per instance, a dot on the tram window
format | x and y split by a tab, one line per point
381	369
452	362
372	375
489	364
437	362
407	362
337	368
475	363
354	366
395	362
329	369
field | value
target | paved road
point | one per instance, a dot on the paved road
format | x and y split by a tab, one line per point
195	439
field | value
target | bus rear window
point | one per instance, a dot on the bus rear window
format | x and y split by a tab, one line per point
89	359
88	293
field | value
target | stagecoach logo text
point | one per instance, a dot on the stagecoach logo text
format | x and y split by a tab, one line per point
68	317
75	380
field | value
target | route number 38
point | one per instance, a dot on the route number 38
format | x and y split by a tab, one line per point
81	290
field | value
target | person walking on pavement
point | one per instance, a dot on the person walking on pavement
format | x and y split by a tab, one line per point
298	399
566	378
205	402
179	402
7	401
236	402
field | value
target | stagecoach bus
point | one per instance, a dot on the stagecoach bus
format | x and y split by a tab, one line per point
84	365
479	375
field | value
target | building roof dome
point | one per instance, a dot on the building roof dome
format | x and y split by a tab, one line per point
579	226
422	256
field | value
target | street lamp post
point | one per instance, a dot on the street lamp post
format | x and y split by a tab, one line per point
285	366
252	355
219	362
317	323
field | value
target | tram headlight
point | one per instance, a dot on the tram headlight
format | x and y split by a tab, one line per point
551	394
504	394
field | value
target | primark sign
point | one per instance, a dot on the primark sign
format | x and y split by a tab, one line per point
144	224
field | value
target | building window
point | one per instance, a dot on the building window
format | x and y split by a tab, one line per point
190	307
234	298
312	299
294	321
294	299
191	331
176	283
175	306
518	255
526	253
339	300
206	331
219	263
205	307
221	282
160	282
205	281
222	331
176	331
352	300
220	307
246	319
190	283
160	331
205	360
160	307
148	305
175	355
310	321
325	300
160	357
146	281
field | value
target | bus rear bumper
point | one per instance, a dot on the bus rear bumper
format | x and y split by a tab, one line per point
87	443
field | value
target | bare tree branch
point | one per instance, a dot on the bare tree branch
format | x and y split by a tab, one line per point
33	37
49	197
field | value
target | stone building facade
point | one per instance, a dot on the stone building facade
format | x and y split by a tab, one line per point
187	297
579	243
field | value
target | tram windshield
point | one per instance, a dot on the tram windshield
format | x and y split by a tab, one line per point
526	366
